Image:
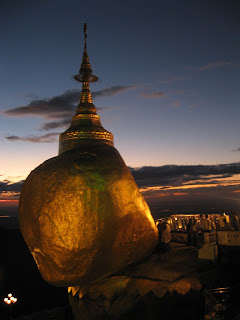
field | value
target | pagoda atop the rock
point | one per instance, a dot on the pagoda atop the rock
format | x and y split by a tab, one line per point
86	127
81	213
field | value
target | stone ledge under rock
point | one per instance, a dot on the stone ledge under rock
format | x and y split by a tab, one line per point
160	286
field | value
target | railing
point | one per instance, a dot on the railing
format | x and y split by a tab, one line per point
221	300
217	301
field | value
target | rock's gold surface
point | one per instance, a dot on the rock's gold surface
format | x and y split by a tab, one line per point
83	217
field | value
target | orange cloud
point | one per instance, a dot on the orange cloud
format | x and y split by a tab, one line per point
192	184
180	193
156	195
166	194
8	202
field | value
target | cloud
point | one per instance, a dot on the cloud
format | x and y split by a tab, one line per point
236	150
46	138
190	189
10	189
108	92
8	186
9	192
55	107
214	65
154	95
59	108
55	124
62	105
178	176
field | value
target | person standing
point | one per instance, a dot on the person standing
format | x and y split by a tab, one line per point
166	237
194	233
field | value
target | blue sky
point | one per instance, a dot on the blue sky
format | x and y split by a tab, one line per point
169	78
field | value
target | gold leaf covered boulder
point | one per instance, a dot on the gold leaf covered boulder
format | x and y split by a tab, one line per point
81	213
83	217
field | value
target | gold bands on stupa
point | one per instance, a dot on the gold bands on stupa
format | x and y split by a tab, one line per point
85	109
102	135
86	126
86	116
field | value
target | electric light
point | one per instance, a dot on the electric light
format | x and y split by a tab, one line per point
10	299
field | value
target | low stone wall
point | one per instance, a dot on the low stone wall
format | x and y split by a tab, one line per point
228	238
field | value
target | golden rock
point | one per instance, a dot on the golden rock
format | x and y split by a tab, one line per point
83	217
81	213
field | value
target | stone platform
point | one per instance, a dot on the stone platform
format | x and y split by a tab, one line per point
163	286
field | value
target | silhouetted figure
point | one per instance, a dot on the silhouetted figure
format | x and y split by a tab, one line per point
161	226
207	223
194	235
235	221
204	223
166	237
224	222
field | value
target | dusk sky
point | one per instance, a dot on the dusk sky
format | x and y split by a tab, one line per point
168	91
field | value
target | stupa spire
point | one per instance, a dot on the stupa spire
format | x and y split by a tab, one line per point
85	73
85	35
86	126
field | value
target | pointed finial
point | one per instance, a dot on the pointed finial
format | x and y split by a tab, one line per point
85	35
85	72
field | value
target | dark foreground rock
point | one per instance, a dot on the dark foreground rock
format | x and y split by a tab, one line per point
166	285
